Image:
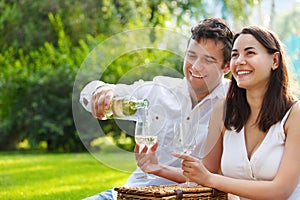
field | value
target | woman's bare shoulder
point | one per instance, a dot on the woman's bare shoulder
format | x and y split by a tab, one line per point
295	112
293	118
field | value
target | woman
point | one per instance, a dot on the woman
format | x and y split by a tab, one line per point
254	142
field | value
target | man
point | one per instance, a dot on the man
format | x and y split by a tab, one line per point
173	100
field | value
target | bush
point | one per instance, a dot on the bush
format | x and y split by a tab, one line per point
37	90
36	99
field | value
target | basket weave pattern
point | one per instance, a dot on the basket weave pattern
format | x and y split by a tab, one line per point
170	192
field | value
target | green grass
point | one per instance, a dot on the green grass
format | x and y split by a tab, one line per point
58	176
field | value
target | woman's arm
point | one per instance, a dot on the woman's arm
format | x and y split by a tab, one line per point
214	142
281	187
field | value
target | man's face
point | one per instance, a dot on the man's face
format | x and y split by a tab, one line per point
204	65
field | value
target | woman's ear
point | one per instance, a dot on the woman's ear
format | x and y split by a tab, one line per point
276	59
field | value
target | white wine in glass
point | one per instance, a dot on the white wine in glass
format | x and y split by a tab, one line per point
147	140
143	138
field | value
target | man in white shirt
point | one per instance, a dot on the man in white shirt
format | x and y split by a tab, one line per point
172	100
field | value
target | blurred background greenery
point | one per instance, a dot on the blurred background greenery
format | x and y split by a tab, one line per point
43	44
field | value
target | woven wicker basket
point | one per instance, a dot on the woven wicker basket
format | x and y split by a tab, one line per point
170	192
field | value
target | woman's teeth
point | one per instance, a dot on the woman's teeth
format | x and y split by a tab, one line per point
243	72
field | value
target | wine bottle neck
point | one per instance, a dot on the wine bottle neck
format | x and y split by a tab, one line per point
144	103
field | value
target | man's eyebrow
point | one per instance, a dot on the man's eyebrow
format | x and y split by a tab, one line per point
191	52
210	57
206	56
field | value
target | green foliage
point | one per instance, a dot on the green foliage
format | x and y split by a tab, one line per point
24	24
36	95
43	44
37	90
142	64
238	8
288	21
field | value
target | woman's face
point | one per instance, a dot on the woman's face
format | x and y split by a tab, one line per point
251	64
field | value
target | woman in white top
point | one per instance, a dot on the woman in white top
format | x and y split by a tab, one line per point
254	134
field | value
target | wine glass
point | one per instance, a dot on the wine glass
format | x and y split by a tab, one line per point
184	142
143	138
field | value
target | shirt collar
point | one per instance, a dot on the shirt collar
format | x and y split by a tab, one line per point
218	93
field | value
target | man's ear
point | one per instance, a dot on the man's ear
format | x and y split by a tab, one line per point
226	68
276	60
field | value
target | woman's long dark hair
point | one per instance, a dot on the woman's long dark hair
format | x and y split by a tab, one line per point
277	99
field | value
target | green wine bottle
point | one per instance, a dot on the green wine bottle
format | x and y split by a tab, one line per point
121	107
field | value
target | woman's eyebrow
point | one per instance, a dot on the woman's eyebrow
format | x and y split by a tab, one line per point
246	49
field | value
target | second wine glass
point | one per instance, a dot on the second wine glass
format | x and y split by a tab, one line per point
184	142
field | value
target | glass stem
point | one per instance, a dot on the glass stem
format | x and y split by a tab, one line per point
187	181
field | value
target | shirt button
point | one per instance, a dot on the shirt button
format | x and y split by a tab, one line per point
85	101
188	118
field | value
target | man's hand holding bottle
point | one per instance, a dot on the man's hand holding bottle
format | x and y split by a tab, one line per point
101	99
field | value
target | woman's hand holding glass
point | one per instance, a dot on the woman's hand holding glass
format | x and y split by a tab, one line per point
194	169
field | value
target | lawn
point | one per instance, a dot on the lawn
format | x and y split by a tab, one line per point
58	176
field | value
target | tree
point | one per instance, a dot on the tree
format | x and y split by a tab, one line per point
288	21
44	43
24	24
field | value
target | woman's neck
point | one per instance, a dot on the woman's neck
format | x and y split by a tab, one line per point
255	99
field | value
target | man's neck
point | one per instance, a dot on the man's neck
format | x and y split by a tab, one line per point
196	98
